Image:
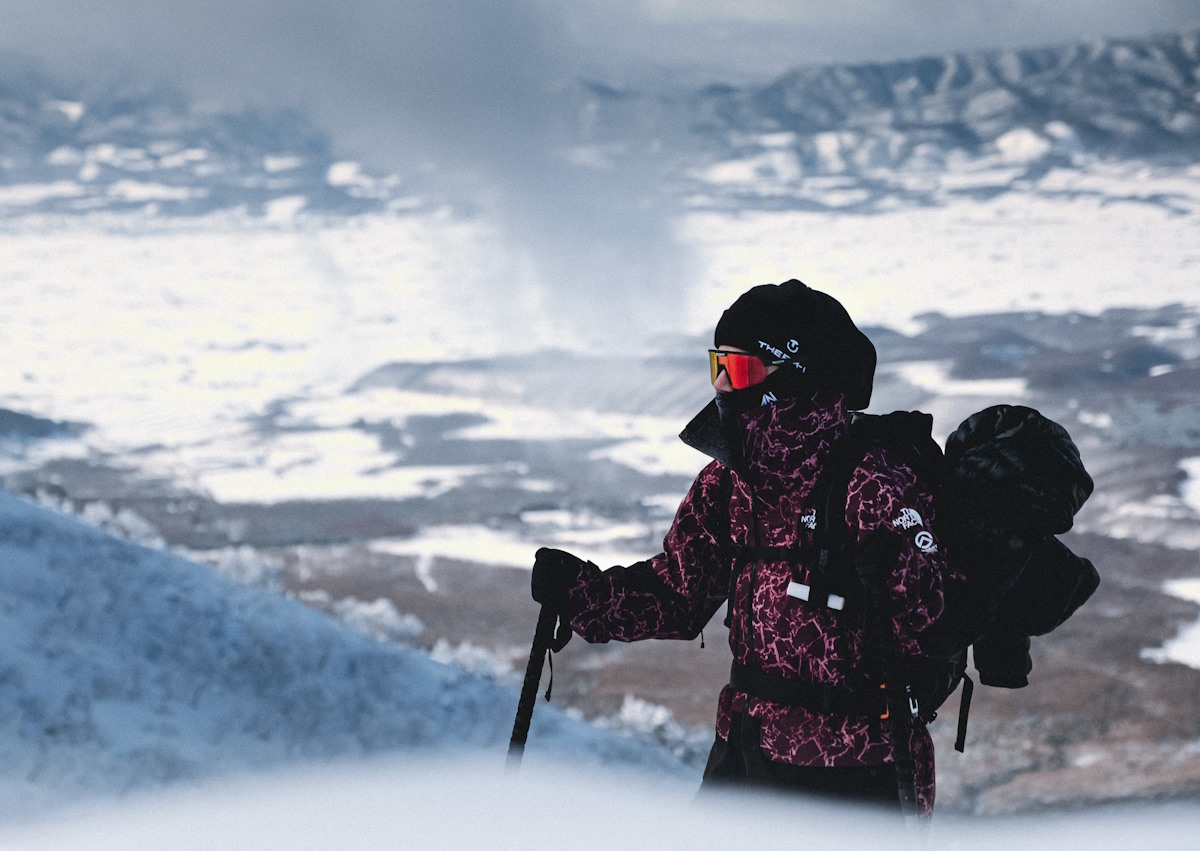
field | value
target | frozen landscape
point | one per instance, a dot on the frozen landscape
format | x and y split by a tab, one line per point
281	431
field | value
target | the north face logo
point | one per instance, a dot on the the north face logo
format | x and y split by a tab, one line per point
809	521
908	519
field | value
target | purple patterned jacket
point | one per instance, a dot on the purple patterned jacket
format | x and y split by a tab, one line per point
676	593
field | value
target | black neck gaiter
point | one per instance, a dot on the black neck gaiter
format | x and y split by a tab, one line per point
733	404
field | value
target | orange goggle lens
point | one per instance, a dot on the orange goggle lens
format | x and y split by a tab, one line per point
744	370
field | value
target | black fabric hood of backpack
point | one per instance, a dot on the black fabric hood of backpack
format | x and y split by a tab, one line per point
1022	467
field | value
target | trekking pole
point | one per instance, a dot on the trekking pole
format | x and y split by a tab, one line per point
901	715
543	640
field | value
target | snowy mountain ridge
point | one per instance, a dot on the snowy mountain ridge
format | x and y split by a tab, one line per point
76	149
926	131
67	150
1125	98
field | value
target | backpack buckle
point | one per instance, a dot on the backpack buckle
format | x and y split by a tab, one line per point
802	592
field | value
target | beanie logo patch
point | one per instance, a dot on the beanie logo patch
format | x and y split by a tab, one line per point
778	353
782	356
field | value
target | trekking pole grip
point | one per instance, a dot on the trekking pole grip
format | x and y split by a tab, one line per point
543	639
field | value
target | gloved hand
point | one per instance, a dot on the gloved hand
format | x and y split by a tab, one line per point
554	572
1002	658
1052	586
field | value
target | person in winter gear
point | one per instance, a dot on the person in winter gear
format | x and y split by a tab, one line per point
804	707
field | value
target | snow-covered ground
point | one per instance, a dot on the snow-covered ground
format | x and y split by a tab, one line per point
1184	647
172	339
124	668
1041	247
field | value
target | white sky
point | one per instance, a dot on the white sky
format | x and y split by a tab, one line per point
766	36
751	36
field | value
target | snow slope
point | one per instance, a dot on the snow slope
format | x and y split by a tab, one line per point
124	668
414	805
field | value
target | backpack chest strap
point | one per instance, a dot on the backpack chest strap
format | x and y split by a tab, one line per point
829	584
815	697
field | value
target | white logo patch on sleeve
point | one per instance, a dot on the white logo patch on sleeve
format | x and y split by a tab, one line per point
910	518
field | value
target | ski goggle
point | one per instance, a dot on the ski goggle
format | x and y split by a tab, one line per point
744	370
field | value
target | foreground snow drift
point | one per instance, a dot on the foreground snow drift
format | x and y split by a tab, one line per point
410	804
125	668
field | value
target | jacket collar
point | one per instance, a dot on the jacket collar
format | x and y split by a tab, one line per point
703	433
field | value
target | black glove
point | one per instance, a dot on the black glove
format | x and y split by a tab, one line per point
554	572
1053	585
1002	658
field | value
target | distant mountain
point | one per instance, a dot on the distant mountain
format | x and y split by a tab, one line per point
891	132
66	150
1127	98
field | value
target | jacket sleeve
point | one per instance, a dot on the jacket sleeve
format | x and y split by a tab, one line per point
886	496
672	595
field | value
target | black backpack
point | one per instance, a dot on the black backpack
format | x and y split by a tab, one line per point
1009	481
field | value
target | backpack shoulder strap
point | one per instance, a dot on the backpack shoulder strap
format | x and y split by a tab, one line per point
907	434
832	536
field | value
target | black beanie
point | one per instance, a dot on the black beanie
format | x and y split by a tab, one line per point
810	331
